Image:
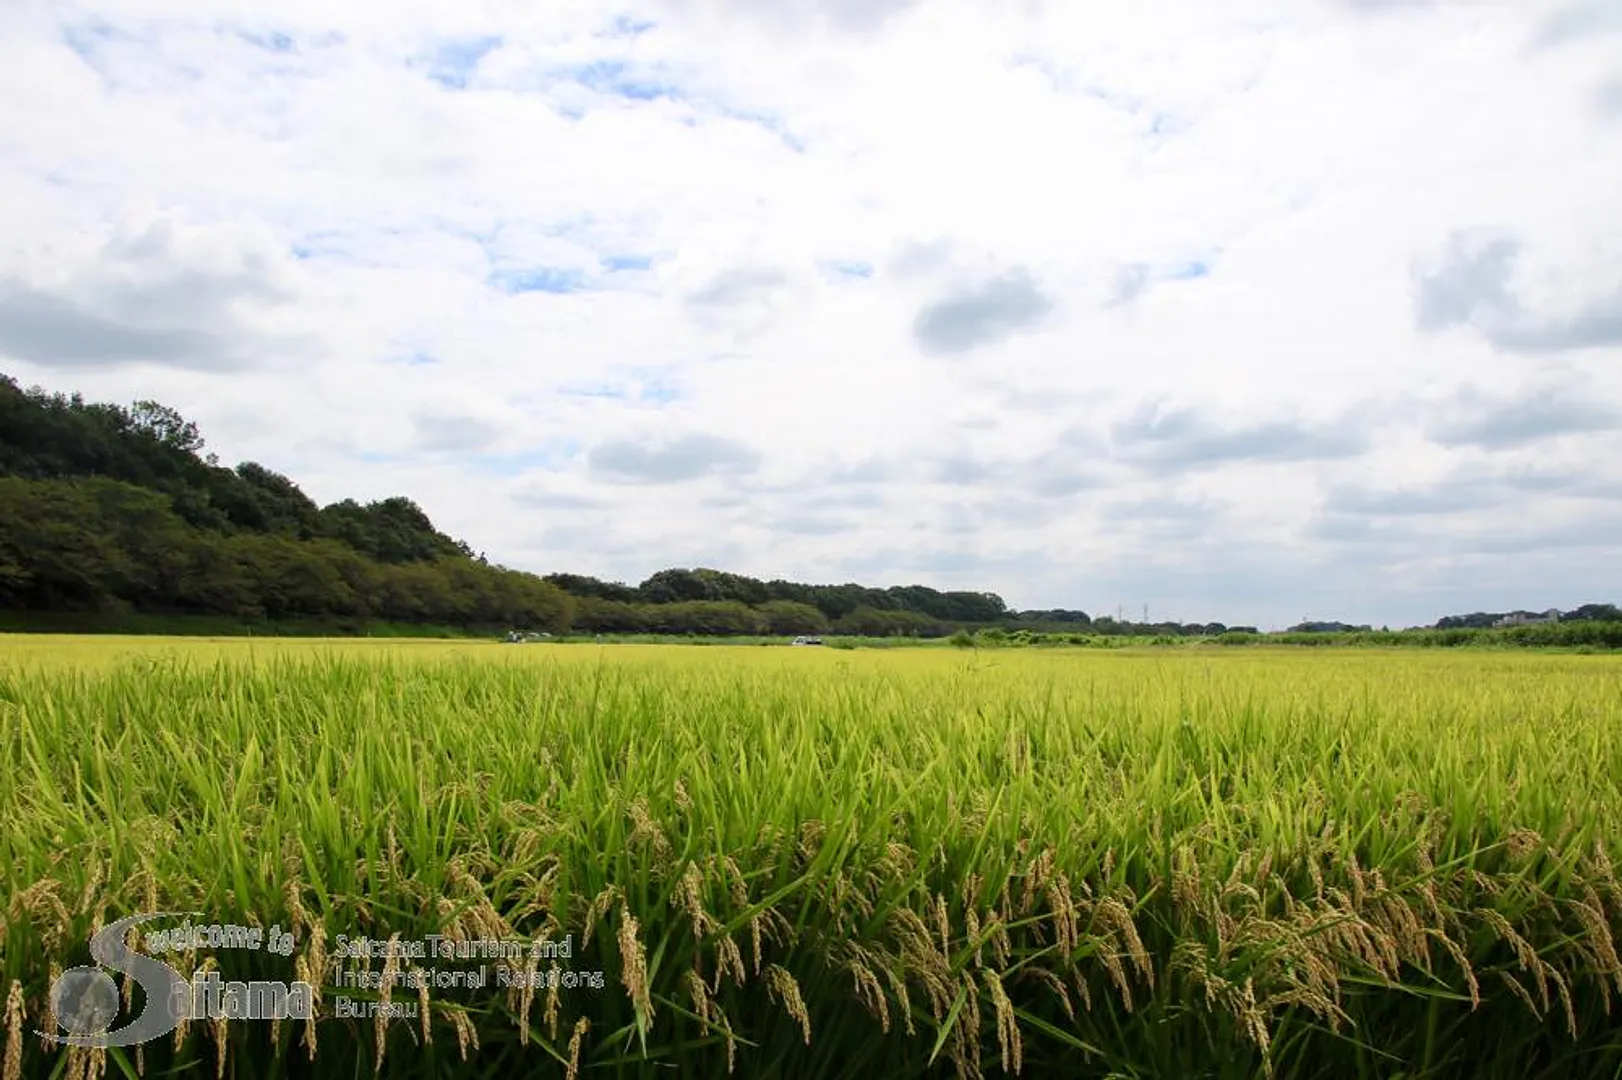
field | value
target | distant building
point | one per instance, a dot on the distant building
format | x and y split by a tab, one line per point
1526	618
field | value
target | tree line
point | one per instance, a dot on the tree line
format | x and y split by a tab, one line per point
1481	620
112	509
107	509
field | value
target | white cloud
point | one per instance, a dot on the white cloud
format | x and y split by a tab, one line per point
860	290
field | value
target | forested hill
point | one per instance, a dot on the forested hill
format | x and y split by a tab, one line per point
113	509
108	511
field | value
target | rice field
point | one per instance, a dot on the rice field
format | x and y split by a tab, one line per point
813	863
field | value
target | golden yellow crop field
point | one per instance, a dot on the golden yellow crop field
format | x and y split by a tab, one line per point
1191	862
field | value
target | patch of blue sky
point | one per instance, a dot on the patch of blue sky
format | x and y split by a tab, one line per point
646	387
275	41
617	78
414	358
1192	269
330	245
90	40
655	385
1064	82
456	60
508	242
102	45
372	457
631	26
1165	123
658	393
603	391
849	268
483	233
545	279
770	121
546	456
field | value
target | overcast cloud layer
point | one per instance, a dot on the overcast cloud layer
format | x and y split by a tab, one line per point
1249	311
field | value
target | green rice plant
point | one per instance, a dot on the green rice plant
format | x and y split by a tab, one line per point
1128	862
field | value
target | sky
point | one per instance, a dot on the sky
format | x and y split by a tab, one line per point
1259	311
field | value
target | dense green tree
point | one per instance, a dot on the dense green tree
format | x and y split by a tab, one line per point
793	619
951	606
166	427
872	622
726	586
595	615
267	501
677	586
1056	617
1593	613
90	543
1478	620
717	617
393	531
219	580
580	586
50	533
